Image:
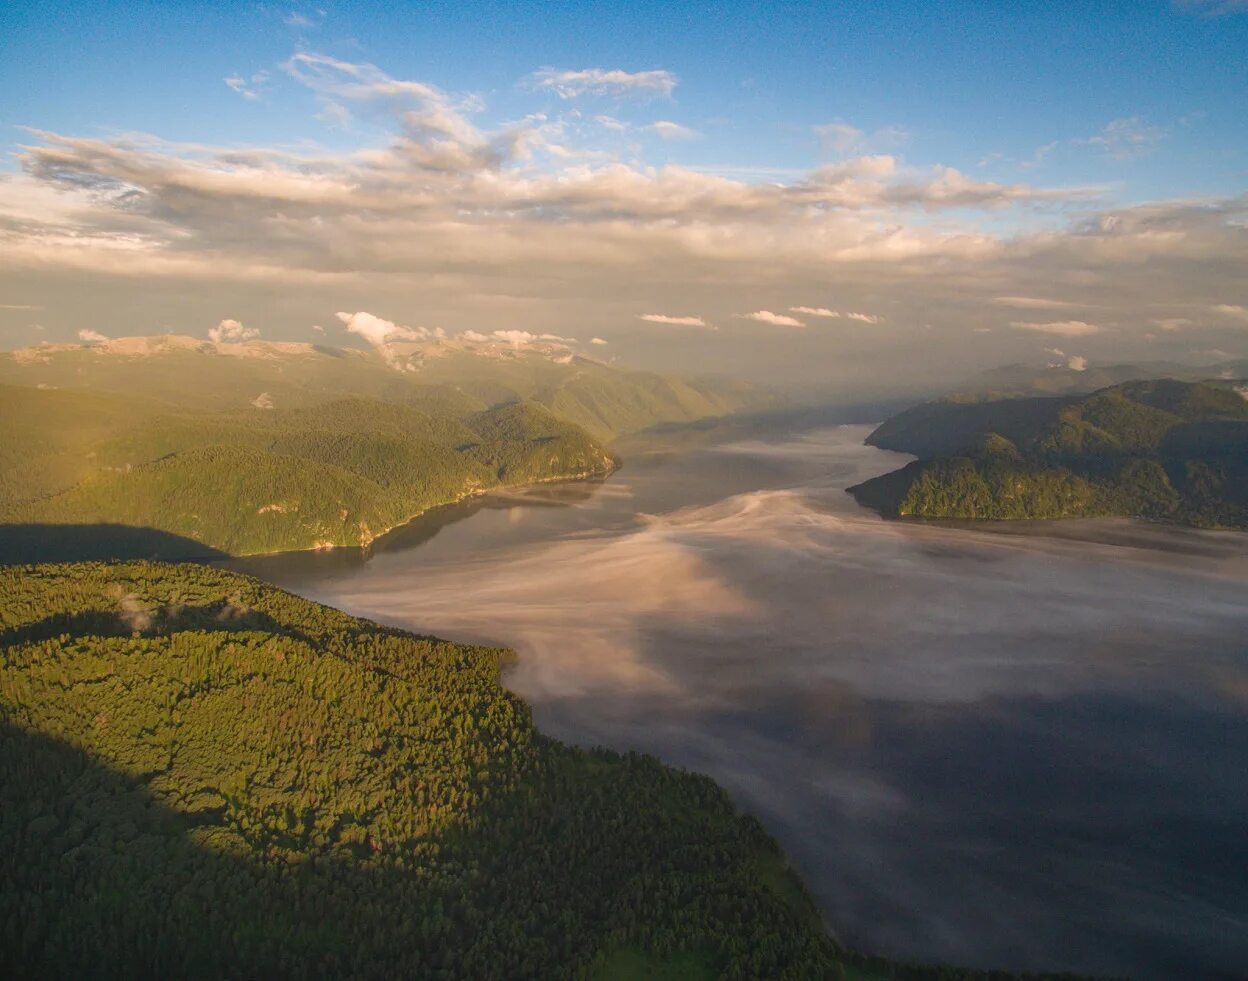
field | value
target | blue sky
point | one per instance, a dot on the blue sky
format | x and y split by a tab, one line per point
1026	148
978	86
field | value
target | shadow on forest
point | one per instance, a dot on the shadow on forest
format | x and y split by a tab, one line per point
101	878
22	544
221	615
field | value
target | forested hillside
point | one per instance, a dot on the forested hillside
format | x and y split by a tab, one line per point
203	775
451	376
336	474
244	448
1165	450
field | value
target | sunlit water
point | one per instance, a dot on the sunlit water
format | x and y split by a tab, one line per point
1024	747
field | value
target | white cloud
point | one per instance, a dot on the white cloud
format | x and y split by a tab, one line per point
248	88
814	311
1077	362
20	306
1173	323
663	318
516	338
1231	310
1127	138
596	340
601	81
263	401
1066	328
611	123
776	319
866	318
673	131
318	328
88	336
231	332
475	336
380	334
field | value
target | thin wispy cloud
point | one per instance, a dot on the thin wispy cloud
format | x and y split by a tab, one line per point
1127	138
669	130
569	84
814	311
1032	302
841	139
248	87
866	318
1064	328
1232	311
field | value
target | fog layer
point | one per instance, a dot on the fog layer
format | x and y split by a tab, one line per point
1018	750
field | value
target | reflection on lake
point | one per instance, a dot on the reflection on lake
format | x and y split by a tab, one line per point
1019	747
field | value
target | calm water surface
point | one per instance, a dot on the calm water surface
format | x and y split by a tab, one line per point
1023	747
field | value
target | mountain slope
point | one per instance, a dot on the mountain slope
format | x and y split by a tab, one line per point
201	775
453	376
1162	449
336	474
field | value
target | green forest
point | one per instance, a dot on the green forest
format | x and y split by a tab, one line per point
1162	450
181	451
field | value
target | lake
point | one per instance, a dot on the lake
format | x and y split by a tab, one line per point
1021	746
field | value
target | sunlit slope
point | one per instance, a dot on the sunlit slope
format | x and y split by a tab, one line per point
339	473
1166	450
192	374
201	775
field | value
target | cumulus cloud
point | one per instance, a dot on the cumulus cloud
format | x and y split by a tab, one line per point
475	336
516	338
88	336
775	319
1066	328
231	332
431	202
1076	362
674	321
381	334
601	81
673	131
814	311
596	340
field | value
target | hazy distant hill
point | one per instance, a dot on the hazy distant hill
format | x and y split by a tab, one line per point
1163	449
259	447
1025	379
450	374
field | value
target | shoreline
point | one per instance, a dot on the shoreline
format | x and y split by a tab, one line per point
372	543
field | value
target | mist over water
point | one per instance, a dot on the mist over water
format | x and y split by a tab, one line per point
1020	747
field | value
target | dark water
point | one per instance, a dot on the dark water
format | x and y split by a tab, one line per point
1024	747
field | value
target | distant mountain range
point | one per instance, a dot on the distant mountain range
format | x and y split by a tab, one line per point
1061	379
241	448
1162	449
